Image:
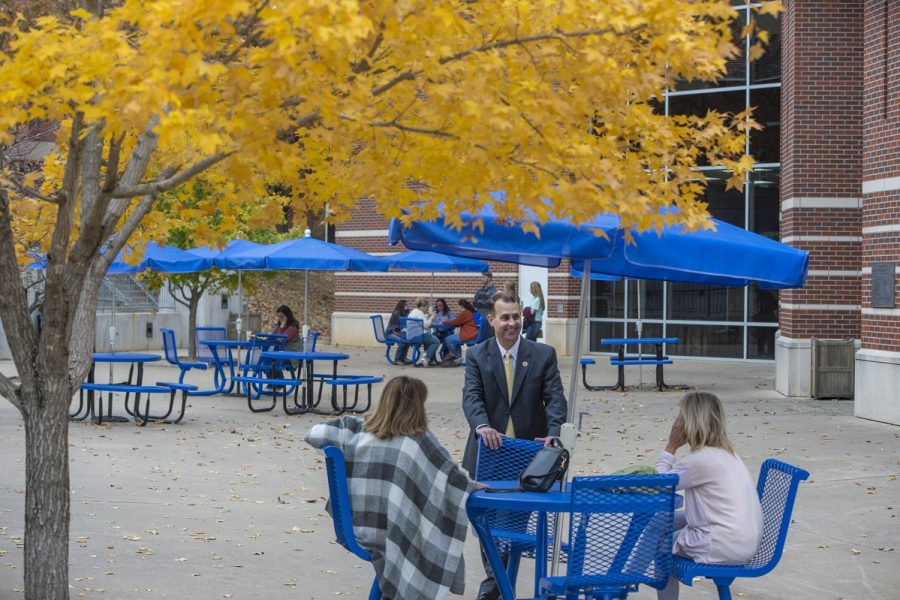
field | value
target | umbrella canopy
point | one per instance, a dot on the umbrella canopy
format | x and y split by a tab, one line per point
726	256
160	259
220	256
422	260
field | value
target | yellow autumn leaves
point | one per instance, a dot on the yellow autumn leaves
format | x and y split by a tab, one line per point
416	103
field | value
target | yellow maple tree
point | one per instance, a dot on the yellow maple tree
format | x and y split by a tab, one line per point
423	105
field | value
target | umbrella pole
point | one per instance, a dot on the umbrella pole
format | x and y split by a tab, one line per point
240	319
640	328
305	303
432	286
568	432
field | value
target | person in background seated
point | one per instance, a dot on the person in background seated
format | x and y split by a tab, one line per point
288	325
468	331
440	314
429	341
394	332
407	494
537	307
722	520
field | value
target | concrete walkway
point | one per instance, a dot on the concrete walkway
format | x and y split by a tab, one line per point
230	504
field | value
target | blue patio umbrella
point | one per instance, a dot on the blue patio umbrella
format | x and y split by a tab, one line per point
727	256
422	260
304	254
222	259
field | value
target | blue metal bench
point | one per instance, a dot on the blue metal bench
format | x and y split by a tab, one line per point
258	385
621	360
777	489
345	381
339	496
161	387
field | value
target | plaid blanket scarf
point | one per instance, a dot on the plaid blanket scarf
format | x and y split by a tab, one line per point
408	499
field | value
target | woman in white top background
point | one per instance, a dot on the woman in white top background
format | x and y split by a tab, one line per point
722	520
429	340
537	307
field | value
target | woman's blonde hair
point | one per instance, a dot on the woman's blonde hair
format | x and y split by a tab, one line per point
421	302
704	421
537	292
401	409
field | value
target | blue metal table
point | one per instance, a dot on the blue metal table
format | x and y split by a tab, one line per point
135	377
658	343
309	358
220	379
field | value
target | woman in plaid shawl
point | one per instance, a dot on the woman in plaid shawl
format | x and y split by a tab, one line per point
407	494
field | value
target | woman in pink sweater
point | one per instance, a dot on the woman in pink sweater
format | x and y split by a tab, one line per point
722	520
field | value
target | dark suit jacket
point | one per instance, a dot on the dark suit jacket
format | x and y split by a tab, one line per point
538	405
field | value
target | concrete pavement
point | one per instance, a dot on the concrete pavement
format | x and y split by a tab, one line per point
230	504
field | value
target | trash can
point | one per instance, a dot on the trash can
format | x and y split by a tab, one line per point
832	368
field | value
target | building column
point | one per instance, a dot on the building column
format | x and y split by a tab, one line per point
877	384
821	154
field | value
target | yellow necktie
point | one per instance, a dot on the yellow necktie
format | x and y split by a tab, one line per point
508	367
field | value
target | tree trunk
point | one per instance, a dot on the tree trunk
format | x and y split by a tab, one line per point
193	302
47	505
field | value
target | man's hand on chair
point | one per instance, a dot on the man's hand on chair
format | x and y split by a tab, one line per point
492	438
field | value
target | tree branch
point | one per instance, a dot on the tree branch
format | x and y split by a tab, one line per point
159	186
557	35
10	391
27	191
405	76
409	129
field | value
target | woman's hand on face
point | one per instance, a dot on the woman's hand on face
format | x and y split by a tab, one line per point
676	435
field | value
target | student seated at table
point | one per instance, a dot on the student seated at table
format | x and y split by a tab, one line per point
468	331
440	313
430	342
722	520
287	324
407	494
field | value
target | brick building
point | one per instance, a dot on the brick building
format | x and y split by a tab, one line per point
827	180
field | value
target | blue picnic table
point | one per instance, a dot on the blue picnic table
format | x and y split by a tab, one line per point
622	360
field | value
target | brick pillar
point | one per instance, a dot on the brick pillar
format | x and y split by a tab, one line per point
878	360
821	155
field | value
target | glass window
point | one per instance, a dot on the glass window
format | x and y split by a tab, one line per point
651	299
607	300
649	330
604	329
765	202
762	304
700	104
765	144
719	341
761	342
725	205
767	68
735	67
697	302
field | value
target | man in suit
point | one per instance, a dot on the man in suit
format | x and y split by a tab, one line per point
534	409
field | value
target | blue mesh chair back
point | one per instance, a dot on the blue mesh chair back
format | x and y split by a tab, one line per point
203	351
378	326
309	343
341	514
514	532
620	536
413	330
484	329
777	490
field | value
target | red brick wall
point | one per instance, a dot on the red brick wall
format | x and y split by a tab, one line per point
881	161
822	158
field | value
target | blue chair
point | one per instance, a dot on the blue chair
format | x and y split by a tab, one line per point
484	329
339	496
204	352
620	536
777	490
413	334
381	338
514	532
171	351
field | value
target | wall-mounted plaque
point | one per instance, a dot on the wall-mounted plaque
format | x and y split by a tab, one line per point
884	284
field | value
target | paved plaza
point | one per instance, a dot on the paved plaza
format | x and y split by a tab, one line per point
231	504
